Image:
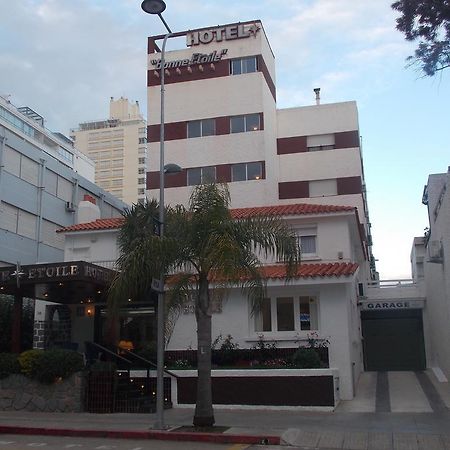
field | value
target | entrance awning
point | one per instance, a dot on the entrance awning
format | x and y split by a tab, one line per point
65	282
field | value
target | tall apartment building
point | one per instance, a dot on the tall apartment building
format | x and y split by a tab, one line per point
43	178
118	147
222	123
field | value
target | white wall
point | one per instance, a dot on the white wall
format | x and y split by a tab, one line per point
91	246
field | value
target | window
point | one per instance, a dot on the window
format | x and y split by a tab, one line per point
246	171
307	239
249	122
141	160
142	140
141	170
141	180
50	236
308	313
320	142
287	314
199	175
141	191
198	128
322	188
243	65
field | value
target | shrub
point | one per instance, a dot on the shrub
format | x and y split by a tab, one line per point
306	358
53	364
27	361
9	364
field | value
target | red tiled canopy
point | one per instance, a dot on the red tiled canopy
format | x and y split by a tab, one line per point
237	213
313	270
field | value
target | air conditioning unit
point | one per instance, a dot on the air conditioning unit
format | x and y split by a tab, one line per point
435	252
70	207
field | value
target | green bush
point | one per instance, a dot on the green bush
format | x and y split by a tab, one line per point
54	364
27	361
9	364
49	365
306	358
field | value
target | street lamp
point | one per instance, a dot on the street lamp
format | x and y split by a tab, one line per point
157	7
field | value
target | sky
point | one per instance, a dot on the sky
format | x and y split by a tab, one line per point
66	58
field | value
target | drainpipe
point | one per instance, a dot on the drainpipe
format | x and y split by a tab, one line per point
41	186
2	146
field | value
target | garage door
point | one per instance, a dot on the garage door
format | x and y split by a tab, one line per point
393	340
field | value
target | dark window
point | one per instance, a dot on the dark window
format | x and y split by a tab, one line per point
199	175
285	314
198	128
246	171
249	122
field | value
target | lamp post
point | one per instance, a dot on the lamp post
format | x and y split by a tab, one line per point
157	7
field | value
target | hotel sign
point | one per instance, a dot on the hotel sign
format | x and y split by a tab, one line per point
55	272
219	34
196	58
397	304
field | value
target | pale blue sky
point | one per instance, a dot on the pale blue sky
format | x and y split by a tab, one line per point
65	58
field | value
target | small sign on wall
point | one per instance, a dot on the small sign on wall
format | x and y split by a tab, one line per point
392	304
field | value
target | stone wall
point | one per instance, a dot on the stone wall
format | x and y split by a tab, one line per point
19	393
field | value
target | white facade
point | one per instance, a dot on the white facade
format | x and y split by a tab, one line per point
118	147
436	270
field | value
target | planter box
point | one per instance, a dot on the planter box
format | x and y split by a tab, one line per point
312	389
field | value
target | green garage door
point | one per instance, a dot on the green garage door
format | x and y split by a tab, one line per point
393	340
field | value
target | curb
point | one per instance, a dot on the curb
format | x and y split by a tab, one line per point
157	435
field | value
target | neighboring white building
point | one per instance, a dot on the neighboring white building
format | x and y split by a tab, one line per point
433	269
321	299
118	147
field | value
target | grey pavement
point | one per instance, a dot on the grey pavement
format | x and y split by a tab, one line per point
354	425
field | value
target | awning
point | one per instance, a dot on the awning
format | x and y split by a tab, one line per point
65	282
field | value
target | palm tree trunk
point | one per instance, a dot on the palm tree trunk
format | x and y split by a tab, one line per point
204	414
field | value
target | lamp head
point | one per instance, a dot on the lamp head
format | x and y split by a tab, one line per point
153	6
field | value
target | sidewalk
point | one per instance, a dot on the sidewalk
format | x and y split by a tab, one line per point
337	430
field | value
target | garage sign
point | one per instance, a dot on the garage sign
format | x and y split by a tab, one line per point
392	304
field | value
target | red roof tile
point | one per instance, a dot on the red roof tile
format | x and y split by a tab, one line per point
238	213
313	270
99	224
288	210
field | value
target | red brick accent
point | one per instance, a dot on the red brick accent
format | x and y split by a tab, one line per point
222	125
223	173
265	71
293	189
296	144
194	73
349	185
89	198
172	131
346	139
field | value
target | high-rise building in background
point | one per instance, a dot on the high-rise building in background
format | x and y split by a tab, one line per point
118	147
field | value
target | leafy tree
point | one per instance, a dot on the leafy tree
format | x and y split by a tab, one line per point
208	251
427	21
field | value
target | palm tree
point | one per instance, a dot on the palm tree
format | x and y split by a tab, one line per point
206	249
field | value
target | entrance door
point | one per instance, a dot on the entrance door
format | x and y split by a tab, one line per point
393	340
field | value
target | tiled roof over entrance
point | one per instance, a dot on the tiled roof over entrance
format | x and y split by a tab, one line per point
238	213
99	224
288	210
313	270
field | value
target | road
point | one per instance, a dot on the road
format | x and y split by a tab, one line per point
23	442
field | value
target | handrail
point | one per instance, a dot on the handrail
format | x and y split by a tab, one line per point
115	355
135	355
